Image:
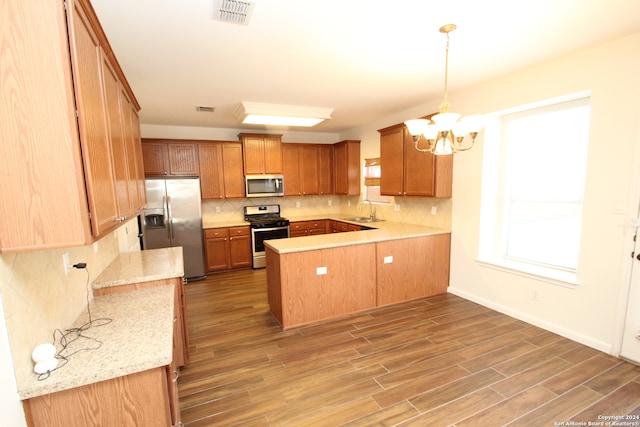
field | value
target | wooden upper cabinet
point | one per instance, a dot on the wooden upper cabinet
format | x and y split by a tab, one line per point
211	172
347	167
301	166
233	174
169	158
405	171
86	66
325	172
291	169
262	153
64	139
221	174
125	201
392	161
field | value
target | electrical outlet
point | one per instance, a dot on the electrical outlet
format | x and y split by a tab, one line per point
388	259
330	202
321	270
396	208
297	204
95	247
65	262
217	209
434	210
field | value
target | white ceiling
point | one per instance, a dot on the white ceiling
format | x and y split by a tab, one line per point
364	58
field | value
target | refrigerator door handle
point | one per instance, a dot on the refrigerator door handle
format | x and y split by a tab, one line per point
165	214
169	219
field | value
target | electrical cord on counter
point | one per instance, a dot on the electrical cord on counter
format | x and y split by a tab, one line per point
70	335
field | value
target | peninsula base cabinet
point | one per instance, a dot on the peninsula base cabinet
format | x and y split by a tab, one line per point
141	399
305	287
310	286
412	268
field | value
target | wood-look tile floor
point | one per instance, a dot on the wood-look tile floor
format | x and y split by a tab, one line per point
439	361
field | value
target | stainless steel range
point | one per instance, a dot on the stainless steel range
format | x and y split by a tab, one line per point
266	224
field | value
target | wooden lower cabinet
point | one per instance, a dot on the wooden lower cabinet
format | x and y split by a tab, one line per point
309	286
141	399
307	228
227	248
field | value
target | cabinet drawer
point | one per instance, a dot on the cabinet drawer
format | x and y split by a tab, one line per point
312	225
216	233
297	226
238	231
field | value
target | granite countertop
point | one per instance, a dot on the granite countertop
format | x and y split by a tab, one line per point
139	337
380	231
142	266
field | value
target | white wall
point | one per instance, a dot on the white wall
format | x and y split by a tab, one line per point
588	313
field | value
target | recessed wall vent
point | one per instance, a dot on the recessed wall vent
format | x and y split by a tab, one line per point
233	11
205	109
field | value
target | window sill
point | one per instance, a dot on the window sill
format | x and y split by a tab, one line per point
549	275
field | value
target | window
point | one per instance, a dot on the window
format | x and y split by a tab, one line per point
372	182
532	204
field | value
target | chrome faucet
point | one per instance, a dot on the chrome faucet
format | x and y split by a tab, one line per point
372	209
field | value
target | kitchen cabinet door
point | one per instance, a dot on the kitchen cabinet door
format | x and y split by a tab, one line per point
43	201
325	172
216	241
309	174
94	135
211	171
167	158
347	167
232	167
131	130
125	199
240	247
392	161
262	153
291	170
183	159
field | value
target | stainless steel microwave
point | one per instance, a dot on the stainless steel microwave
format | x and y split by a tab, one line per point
264	185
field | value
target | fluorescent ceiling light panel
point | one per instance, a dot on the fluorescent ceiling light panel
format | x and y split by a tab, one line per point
283	115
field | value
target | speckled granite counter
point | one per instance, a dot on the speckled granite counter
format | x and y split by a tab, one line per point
142	266
140	337
381	231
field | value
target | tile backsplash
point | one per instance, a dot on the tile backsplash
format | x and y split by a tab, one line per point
410	210
39	298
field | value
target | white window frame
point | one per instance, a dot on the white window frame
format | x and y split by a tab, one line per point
491	239
376	197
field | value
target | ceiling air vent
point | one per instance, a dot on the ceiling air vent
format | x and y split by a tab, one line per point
205	109
233	11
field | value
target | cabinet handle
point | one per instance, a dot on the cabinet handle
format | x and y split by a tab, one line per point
176	374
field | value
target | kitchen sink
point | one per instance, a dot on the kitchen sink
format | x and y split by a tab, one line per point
363	219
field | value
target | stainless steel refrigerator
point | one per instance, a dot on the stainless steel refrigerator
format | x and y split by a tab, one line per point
173	217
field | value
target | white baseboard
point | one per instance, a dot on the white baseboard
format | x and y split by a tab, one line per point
536	321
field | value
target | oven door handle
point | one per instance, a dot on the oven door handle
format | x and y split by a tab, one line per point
270	229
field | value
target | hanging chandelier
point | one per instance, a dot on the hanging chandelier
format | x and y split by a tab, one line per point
446	135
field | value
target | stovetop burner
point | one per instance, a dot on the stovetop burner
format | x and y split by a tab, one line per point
264	216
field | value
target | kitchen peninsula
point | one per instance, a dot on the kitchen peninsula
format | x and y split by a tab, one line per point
324	276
